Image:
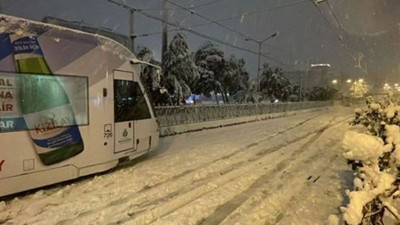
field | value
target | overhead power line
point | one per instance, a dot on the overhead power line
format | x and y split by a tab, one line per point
207	4
348	51
240	15
180	27
192	7
210	20
334	15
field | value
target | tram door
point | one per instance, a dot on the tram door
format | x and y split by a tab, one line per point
124	91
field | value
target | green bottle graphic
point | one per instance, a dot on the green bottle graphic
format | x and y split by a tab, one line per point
44	104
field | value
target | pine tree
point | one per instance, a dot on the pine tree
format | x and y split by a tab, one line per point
274	84
151	78
179	69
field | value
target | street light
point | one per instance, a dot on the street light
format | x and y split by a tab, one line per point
260	42
348	81
334	82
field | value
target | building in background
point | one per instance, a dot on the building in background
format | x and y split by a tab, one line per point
315	76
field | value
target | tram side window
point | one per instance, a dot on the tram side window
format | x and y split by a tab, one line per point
42	102
129	102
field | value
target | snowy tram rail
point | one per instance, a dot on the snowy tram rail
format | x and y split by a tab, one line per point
282	171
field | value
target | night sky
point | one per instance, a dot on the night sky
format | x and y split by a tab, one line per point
370	31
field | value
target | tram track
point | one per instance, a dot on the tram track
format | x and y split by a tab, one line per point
166	199
150	203
208	176
229	206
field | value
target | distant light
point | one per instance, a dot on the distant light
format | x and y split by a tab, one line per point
386	86
348	81
360	80
334	82
321	65
396	84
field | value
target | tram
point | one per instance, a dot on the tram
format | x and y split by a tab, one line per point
71	104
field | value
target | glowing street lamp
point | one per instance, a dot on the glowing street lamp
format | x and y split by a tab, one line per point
386	86
360	80
348	81
334	82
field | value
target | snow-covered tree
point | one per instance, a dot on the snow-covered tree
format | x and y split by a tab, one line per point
248	94
212	68
318	93
274	84
359	89
373	150
179	70
295	93
239	77
149	74
151	78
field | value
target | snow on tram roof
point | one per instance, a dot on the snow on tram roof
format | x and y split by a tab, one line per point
22	26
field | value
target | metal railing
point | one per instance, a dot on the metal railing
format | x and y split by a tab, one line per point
176	115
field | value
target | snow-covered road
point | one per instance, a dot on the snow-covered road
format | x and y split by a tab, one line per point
280	171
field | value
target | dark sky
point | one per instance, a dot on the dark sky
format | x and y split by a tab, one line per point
370	29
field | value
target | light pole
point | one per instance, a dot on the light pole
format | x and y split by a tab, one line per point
260	42
131	30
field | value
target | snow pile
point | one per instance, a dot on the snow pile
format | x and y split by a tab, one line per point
358	111
375	157
358	146
353	213
333	220
375	106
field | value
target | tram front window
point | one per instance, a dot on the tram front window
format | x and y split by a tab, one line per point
129	102
124	100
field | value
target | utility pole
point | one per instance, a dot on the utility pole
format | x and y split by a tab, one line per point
164	42
131	30
258	66
301	87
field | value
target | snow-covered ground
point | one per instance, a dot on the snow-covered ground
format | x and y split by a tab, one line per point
281	171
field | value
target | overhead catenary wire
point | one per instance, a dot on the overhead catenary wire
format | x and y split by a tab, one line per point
334	15
240	15
337	19
192	7
180	27
208	19
348	51
207	4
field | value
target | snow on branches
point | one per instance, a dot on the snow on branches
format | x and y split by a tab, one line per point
374	153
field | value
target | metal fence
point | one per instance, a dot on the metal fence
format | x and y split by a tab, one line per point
176	115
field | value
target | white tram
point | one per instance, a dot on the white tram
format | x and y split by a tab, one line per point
71	104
